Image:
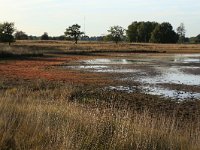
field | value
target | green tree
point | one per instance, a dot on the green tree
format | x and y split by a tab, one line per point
74	32
197	39
107	38
140	31
132	32
164	33
116	33
148	29
61	38
45	36
181	33
20	35
6	32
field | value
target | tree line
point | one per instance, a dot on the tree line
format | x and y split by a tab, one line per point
150	32
143	32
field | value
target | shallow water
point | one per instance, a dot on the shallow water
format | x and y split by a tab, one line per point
91	67
165	69
128	89
172	75
157	90
187	58
117	70
174	94
105	69
115	61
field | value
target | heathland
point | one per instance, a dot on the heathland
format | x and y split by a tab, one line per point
47	104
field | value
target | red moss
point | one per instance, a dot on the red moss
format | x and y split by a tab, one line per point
44	68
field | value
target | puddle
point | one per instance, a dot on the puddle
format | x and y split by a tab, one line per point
123	88
117	70
172	75
103	69
187	55
155	70
114	61
187	58
157	90
173	94
91	67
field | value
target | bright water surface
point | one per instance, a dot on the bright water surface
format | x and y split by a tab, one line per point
169	73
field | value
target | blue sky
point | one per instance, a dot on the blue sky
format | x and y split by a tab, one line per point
53	16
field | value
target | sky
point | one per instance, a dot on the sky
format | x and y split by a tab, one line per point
53	16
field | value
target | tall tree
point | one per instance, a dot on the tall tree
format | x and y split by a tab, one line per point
164	33
140	31
116	33
6	32
149	27
181	33
132	32
197	39
45	36
20	35
74	32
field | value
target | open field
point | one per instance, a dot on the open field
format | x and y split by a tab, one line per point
57	95
68	47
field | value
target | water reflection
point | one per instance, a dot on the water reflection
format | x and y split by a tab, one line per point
105	69
187	58
174	94
157	90
113	61
165	69
172	75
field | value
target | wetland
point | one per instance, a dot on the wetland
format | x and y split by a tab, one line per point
176	76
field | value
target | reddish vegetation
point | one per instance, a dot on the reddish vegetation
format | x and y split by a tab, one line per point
44	68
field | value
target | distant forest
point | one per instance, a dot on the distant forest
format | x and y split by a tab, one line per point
139	32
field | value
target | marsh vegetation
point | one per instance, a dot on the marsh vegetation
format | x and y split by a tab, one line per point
69	98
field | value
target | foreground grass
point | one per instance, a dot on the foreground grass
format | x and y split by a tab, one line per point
43	116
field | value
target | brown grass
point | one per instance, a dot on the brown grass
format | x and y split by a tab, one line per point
61	115
41	116
105	47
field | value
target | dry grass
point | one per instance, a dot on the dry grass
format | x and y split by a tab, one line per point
107	47
41	116
7	52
